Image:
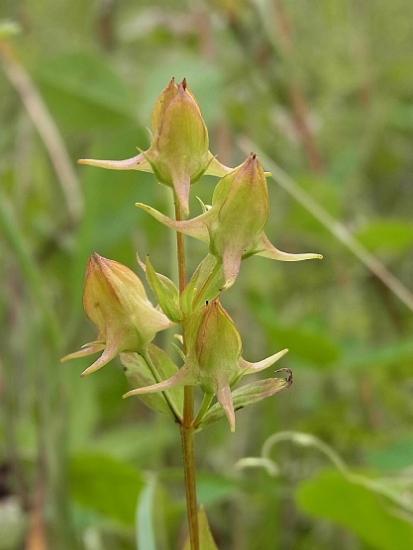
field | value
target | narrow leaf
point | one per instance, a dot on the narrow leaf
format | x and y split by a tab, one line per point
206	540
145	521
165	291
248	395
139	375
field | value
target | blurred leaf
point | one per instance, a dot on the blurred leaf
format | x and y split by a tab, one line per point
13	524
84	92
8	28
202	77
206	540
135	441
396	456
310	344
402	115
382	235
105	485
330	496
326	193
84	409
381	356
214	488
145	523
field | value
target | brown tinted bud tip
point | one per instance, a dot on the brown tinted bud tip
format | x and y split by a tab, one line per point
184	84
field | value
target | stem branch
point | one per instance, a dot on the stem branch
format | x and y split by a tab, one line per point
148	360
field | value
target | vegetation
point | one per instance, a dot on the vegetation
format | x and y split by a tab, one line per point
322	93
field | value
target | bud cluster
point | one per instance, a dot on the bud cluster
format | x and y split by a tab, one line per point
233	228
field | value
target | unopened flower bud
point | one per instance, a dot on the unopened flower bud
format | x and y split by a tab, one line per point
214	359
179	153
217	349
234	225
115	301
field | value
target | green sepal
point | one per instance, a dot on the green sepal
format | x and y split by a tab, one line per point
205	285
165	291
248	395
139	374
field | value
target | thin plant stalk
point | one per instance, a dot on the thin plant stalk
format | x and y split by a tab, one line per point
187	425
154	372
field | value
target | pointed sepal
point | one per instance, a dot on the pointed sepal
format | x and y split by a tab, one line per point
183	377
138	162
139	374
216	168
196	227
252	368
204	286
224	397
249	394
266	249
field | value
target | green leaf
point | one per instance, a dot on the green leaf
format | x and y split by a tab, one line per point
134	441
387	235
306	343
165	291
370	516
395	456
105	485
205	284
247	395
311	344
84	92
397	353
138	374
214	488
206	540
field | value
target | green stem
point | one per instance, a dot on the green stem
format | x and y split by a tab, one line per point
146	356
206	403
187	425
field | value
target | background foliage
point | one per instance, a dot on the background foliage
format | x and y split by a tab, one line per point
325	89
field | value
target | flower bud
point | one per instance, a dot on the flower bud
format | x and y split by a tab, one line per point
242	212
214	359
217	349
178	154
115	301
234	225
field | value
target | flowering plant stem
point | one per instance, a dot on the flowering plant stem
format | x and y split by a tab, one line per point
115	299
187	424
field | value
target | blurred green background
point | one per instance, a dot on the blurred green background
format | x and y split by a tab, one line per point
325	90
